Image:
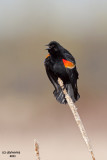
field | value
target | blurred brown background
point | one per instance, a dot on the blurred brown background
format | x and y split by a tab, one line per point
28	109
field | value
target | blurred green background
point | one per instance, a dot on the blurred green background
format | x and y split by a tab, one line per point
28	109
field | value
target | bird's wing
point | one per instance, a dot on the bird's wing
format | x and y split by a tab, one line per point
50	74
73	76
70	65
68	60
68	56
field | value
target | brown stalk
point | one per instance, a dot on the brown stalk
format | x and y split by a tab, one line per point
37	150
77	118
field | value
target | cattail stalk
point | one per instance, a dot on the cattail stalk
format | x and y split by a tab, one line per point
77	118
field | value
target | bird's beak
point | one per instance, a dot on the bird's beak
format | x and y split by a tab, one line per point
48	47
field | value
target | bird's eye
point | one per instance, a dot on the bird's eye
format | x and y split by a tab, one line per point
55	48
52	46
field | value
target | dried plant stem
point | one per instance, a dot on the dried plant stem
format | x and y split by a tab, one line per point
37	150
77	118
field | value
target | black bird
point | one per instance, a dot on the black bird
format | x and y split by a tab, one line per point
60	63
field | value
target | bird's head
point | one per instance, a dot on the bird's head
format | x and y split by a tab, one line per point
53	47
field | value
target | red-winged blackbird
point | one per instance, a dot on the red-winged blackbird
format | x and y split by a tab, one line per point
60	63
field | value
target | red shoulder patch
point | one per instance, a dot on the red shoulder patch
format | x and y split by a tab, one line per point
68	64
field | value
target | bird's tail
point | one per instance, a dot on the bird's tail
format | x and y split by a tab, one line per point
60	97
72	91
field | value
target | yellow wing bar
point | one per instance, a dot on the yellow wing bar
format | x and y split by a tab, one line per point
47	55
